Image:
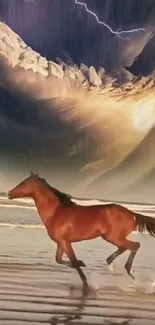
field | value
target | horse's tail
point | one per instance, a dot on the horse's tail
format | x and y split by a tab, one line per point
145	223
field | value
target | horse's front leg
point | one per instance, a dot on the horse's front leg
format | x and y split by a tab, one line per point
58	258
65	246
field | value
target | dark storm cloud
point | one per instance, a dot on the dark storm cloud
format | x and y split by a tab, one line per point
142	65
61	28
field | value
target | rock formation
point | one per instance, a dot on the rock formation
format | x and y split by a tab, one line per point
34	69
16	54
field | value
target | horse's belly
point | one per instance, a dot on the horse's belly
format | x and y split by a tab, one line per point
84	235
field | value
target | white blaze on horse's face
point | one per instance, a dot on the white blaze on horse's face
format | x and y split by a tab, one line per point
23	189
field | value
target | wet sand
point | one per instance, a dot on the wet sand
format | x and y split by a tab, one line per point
35	290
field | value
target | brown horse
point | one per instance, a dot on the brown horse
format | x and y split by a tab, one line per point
67	222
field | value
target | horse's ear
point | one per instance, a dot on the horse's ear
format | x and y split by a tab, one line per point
34	174
31	174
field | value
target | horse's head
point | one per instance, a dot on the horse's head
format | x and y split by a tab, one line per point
25	188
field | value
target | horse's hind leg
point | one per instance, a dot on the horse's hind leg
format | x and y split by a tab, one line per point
133	247
128	265
112	257
117	253
124	244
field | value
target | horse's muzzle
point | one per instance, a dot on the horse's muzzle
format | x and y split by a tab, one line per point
9	195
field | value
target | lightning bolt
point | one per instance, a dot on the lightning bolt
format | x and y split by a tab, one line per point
118	34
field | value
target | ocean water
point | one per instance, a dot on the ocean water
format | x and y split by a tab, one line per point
34	289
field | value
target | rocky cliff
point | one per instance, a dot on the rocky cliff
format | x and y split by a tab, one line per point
26	70
17	56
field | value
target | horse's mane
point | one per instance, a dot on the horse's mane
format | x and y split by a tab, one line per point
64	198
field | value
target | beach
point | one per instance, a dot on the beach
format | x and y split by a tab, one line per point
36	290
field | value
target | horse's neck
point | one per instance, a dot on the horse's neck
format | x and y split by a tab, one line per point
46	203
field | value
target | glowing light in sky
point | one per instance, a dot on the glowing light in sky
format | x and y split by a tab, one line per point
117	33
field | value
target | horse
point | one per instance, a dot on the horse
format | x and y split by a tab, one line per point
67	222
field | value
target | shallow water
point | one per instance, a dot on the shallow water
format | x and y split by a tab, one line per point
36	290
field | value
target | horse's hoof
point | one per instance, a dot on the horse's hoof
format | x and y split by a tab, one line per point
132	274
111	267
68	264
81	263
130	271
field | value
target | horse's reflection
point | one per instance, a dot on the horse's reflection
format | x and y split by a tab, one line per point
77	313
126	322
63	320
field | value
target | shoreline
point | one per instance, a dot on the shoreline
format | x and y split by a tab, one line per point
35	289
28	203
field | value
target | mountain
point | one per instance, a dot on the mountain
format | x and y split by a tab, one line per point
21	67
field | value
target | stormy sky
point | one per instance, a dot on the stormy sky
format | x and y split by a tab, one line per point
61	28
31	136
